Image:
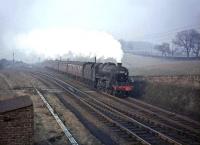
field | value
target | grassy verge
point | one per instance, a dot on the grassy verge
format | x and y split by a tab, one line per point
179	99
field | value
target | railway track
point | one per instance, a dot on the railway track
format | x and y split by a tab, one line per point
179	122
149	116
128	128
183	121
162	127
58	120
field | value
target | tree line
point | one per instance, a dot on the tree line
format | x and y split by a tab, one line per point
186	42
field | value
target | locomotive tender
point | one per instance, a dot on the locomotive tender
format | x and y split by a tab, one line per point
107	77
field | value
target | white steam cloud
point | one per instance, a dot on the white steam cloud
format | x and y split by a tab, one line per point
58	42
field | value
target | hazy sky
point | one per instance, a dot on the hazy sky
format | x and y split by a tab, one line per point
124	19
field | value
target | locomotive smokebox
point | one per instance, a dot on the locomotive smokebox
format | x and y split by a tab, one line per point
119	64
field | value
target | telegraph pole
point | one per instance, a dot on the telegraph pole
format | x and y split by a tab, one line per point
95	59
59	61
13	57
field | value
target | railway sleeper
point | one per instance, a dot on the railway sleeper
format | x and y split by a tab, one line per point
131	128
124	136
102	112
140	118
130	139
141	132
135	128
149	138
111	125
146	135
155	142
122	122
132	124
189	141
104	121
117	130
122	133
160	129
174	135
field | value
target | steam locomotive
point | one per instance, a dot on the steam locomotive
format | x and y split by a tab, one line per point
109	77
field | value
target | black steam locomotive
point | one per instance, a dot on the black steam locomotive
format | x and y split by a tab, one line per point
109	77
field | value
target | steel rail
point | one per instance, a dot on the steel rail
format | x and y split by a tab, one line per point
174	133
179	118
176	118
168	121
75	90
58	120
104	116
162	118
169	129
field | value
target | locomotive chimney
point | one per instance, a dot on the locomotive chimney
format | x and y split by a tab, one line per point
119	64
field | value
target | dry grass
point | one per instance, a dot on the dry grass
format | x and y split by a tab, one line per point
182	81
17	78
179	99
140	65
5	93
46	129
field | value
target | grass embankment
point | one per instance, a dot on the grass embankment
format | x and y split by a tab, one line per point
180	99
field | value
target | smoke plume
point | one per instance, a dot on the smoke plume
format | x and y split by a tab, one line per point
54	43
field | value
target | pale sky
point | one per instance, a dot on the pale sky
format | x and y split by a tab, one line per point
137	20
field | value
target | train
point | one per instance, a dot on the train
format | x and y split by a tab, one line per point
108	77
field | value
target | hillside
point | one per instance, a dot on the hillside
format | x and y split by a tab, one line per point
141	65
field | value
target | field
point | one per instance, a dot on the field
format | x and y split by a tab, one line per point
141	65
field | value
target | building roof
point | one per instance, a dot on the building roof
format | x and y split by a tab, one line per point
15	103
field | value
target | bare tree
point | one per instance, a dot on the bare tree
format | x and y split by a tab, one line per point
186	40
163	48
173	50
196	48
